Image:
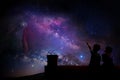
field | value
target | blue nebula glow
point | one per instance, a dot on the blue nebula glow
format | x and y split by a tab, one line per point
81	56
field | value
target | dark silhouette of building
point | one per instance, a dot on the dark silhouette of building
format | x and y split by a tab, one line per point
55	72
52	60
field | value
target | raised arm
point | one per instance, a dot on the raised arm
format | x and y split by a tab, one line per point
89	46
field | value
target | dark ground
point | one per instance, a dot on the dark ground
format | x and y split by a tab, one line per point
71	73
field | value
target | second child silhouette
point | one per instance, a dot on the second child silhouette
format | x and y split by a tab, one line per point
107	59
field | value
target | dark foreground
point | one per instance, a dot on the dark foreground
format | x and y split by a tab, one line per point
71	73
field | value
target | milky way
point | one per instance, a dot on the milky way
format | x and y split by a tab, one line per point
36	35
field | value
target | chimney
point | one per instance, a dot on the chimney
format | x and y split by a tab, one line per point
52	60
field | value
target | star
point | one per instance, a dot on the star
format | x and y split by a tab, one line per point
32	65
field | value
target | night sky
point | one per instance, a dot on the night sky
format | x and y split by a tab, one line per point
32	29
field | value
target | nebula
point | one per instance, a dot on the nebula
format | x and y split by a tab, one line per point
34	35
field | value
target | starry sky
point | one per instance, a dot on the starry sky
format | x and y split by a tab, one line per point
30	30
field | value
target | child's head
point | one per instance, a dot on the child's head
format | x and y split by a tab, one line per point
96	47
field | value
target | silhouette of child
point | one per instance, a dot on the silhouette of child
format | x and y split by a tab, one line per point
95	57
107	59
